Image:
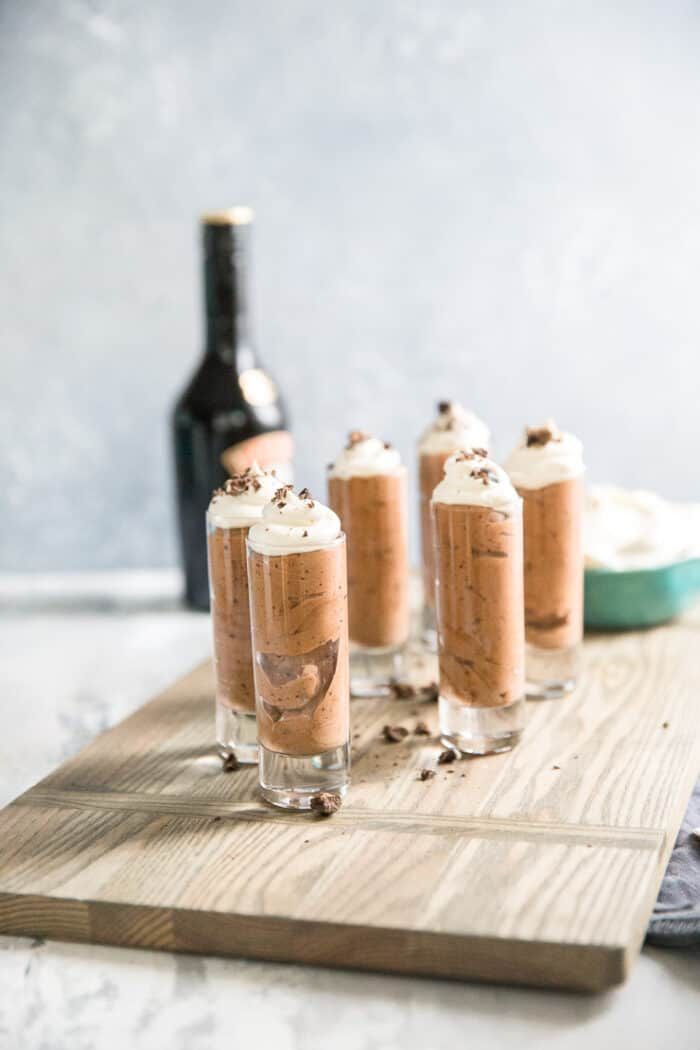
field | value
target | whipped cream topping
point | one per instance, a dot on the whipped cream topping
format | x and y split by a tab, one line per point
453	429
632	529
240	502
294	524
546	456
474	479
365	456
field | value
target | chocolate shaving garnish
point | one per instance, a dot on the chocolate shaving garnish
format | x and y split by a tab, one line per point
305	494
542	435
421	729
355	437
486	475
230	764
402	690
394	734
447	756
426	774
329	466
326	803
444	407
387	444
305	533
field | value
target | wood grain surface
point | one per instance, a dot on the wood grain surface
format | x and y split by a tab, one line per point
536	867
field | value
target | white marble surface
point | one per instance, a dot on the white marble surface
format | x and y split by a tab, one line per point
71	669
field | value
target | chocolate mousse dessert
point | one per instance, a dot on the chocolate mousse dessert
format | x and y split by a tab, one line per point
299	617
547	470
231	512
453	429
478	549
367	490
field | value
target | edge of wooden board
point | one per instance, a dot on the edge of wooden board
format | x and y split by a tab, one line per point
585	968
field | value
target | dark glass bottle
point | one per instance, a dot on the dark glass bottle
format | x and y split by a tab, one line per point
230	413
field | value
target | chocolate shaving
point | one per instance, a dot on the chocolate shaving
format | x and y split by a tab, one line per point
486	475
305	494
444	407
426	774
541	435
326	803
447	756
402	690
421	729
355	437
394	734
230	764
305	533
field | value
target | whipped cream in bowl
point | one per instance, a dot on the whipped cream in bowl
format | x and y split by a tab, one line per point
294	523
366	456
454	428
546	456
473	479
241	501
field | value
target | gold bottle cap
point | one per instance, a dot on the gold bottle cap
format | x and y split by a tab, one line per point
240	215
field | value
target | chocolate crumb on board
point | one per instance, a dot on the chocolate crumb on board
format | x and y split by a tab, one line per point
426	774
394	734
402	690
556	767
230	764
430	692
664	725
421	729
326	803
305	533
447	756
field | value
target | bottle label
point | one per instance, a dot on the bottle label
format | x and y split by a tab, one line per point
271	451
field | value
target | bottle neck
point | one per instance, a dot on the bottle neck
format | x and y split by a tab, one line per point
226	293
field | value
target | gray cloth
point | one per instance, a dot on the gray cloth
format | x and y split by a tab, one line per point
676	919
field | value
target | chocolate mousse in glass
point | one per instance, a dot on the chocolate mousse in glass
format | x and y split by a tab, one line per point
453	429
367	490
547	470
478	549
231	512
299	618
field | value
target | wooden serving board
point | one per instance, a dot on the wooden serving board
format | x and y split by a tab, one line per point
537	867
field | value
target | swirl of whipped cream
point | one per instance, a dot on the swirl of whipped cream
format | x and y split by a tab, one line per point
294	524
545	456
473	479
453	429
365	456
240	502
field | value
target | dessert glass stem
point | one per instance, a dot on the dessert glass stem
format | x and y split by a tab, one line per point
236	734
292	781
374	670
480	730
551	673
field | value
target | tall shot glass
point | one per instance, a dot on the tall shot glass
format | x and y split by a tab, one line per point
299	621
373	511
233	660
478	543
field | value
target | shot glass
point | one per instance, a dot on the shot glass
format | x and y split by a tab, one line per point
553	522
373	513
299	621
236	732
481	646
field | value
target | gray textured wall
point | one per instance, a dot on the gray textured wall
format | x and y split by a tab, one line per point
489	200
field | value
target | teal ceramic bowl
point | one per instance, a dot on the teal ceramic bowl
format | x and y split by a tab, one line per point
616	601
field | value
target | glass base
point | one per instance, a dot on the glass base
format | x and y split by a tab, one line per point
372	671
236	734
551	673
293	781
480	730
429	629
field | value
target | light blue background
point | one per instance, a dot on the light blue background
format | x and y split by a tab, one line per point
492	201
